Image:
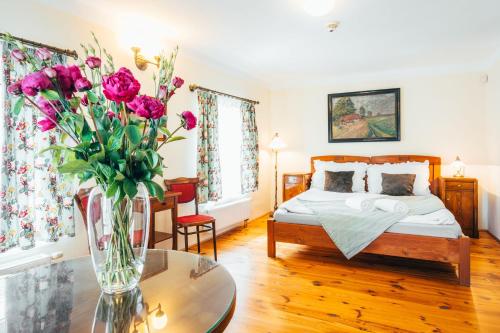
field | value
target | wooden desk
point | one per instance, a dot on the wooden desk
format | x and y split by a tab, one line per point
169	202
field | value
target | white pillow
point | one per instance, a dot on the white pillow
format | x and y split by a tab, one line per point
359	168
420	169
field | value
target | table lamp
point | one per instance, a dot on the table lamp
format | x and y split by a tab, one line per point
458	167
276	145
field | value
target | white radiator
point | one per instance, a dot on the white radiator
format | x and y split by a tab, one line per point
229	215
14	266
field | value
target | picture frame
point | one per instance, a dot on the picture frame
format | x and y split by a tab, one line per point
364	116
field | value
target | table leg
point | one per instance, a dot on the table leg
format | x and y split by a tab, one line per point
174	225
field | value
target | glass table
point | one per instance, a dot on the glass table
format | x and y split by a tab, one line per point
179	292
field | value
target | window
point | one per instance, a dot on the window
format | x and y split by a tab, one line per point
230	137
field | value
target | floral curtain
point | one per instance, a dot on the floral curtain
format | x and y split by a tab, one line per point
208	169
35	202
249	149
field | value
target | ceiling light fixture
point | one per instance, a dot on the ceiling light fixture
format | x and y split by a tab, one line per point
318	7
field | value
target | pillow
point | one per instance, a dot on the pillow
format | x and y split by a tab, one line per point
358	180
398	184
419	169
340	181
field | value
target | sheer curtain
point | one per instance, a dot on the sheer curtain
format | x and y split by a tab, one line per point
35	202
230	137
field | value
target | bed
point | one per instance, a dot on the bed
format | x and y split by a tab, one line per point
441	243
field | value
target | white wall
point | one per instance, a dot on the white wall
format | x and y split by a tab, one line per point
493	132
33	21
441	115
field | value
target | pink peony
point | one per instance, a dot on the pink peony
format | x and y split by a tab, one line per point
43	54
177	82
18	55
15	88
83	84
189	120
93	62
147	107
66	77
46	124
121	86
49	108
50	72
34	82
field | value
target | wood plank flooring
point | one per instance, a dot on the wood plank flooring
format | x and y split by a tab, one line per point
312	290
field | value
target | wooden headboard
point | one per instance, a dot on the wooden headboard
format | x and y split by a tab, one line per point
434	163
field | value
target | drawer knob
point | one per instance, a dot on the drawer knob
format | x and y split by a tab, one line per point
459	185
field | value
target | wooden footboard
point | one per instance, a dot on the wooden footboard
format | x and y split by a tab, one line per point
449	250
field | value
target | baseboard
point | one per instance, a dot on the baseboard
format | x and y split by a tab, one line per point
495	237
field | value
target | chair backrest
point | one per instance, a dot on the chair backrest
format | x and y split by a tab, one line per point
82	200
188	188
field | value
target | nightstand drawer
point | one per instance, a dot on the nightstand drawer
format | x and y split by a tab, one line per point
451	185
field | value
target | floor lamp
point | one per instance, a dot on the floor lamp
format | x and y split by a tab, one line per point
276	145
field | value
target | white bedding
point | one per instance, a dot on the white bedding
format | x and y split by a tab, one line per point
440	217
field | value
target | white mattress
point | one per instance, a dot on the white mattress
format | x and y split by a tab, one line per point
422	229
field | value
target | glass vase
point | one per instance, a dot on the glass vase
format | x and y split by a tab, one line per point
118	234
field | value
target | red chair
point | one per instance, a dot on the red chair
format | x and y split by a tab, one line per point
188	188
82	200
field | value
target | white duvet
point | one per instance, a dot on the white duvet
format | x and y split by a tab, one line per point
442	216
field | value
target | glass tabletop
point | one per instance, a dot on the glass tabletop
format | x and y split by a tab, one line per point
179	292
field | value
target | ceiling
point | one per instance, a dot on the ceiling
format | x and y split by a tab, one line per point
279	43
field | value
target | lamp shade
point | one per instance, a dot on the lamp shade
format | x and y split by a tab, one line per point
277	143
458	167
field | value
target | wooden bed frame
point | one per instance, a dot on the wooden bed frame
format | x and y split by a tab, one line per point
447	250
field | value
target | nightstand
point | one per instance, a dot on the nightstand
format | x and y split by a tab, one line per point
295	183
460	197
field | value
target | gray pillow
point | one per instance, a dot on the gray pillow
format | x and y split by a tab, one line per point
398	184
340	181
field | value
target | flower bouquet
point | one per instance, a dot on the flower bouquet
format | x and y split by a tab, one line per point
108	133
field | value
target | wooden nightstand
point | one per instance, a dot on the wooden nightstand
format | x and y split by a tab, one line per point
460	197
295	183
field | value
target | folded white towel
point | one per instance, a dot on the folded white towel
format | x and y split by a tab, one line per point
442	216
392	206
294	206
360	203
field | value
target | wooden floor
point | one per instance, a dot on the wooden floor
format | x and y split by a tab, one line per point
311	290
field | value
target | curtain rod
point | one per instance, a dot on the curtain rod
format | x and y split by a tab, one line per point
71	53
194	87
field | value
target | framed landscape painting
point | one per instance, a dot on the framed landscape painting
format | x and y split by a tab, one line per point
364	116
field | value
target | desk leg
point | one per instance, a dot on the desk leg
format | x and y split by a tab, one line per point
174	225
151	243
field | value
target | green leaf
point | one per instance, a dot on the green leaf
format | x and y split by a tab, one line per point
99	156
130	187
151	189
92	97
175	138
165	131
119	175
54	147
50	95
18	106
106	170
112	189
115	141
133	134
76	166
159	192
153	158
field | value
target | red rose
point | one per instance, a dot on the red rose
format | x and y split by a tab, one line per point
66	77
46	124
43	54
189	120
147	107
121	86
18	55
